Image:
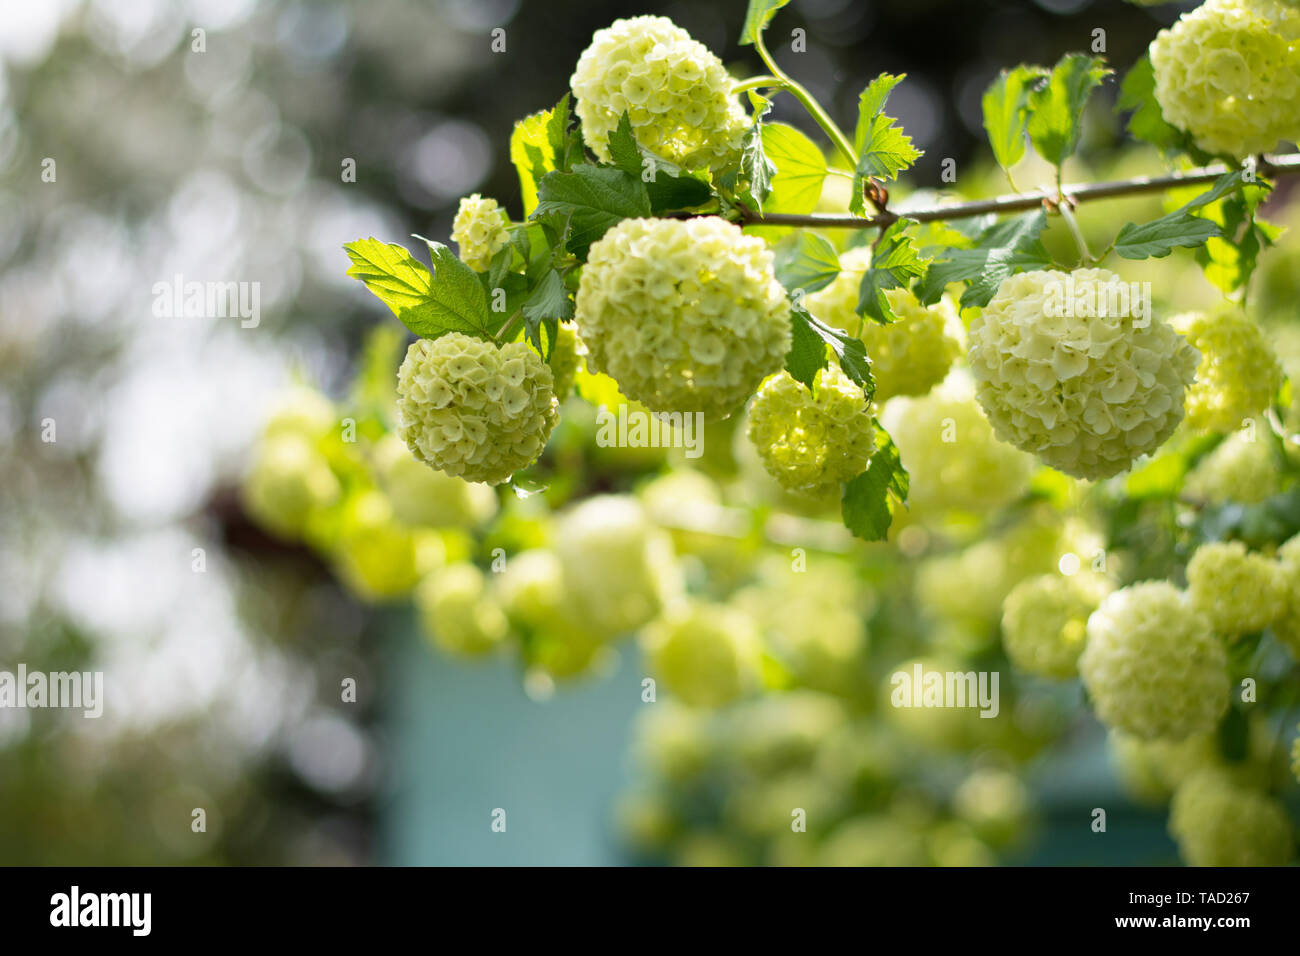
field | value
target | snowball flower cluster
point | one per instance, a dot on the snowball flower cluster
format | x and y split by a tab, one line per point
1152	666
813	442
457	611
377	556
473	410
540	603
1238	591
1241	468
1152	770
1228	72
617	565
1287	625
1045	620
677	94
954	459
705	654
1238	375
1219	822
479	231
908	357
421	496
1066	372
289	482
686	315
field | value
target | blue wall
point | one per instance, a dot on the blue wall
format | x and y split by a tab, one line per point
463	739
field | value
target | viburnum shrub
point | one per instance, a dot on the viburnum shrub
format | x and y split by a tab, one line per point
676	398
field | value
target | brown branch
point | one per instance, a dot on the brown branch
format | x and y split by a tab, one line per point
1277	166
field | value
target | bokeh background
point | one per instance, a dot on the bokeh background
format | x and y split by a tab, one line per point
226	164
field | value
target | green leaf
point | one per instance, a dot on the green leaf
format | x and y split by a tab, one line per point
592	199
850	351
894	264
1161	236
755	166
883	149
549	299
623	147
807	355
564	139
532	155
757	17
1229	260
1056	108
1001	250
1137	92
450	298
808	263
800	169
1006	109
668	187
670	192
865	506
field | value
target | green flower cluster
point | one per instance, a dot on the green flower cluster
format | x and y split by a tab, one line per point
1152	665
1228	72
1045	620
479	231
908	357
813	442
1237	590
1064	374
1239	374
1218	822
686	315
677	94
473	410
706	654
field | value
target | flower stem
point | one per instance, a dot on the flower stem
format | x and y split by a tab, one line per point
1085	257
759	82
799	92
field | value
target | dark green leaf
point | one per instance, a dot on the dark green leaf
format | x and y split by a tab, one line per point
549	299
865	506
593	199
624	149
1003	249
1161	236
850	351
807	355
565	141
894	264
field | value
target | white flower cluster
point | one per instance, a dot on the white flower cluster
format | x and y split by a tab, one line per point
1082	384
677	94
686	315
1228	72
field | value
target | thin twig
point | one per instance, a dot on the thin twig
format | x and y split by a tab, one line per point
1082	192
